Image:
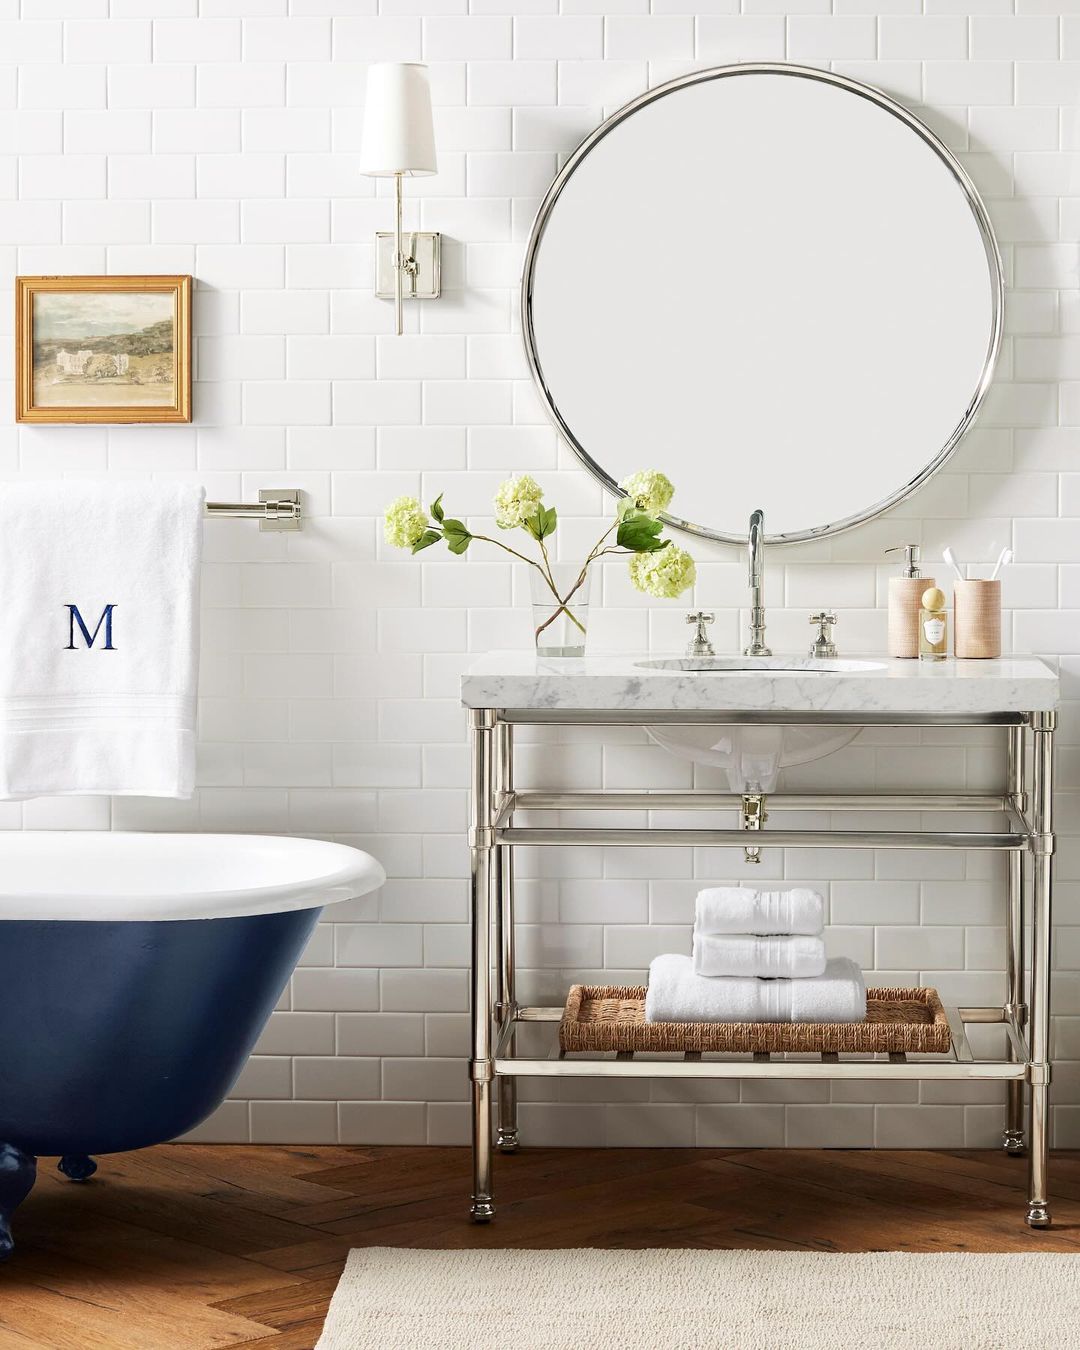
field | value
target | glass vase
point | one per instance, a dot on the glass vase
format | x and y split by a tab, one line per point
560	616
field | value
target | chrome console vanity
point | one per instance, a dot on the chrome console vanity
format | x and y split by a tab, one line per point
1019	696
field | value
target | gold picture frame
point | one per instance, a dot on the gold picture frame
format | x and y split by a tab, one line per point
103	349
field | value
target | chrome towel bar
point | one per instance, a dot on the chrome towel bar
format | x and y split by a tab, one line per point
276	509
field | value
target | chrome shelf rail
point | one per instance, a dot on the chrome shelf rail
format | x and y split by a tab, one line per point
958	1064
628	717
686	838
657	800
499	1023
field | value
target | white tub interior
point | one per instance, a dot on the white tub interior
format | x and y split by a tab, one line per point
101	875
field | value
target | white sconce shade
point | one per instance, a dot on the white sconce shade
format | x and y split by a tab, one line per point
398	136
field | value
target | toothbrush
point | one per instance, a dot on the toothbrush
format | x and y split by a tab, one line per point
1004	558
950	558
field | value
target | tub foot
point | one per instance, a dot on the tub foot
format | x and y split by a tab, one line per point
77	1166
18	1171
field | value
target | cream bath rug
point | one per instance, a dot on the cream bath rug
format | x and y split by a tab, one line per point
395	1298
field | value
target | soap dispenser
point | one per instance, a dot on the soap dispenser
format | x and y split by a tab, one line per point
905	601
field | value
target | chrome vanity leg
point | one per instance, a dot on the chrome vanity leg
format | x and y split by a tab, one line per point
507	1135
1012	1140
1042	726
482	723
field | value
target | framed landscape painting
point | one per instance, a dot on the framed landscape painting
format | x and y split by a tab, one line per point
103	349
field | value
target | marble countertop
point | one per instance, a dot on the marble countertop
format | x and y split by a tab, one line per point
618	683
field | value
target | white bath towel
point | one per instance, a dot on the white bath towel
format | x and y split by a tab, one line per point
727	954
738	909
99	660
676	994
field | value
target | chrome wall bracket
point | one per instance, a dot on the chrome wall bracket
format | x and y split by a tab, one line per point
276	509
282	509
421	265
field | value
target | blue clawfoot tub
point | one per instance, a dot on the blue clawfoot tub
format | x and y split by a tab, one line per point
137	972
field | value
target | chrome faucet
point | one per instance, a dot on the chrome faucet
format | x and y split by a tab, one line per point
756	550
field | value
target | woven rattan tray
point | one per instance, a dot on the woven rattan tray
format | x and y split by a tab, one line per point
610	1017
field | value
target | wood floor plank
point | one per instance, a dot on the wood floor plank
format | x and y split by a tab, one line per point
65	1322
196	1247
251	1184
981	1211
150	1186
83	1230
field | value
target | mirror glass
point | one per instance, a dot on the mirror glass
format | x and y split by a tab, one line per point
772	283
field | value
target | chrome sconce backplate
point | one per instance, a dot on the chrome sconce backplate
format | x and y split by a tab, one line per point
422	279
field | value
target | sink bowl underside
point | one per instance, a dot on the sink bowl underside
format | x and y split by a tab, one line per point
752	756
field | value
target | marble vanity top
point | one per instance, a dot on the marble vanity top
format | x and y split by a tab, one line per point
522	680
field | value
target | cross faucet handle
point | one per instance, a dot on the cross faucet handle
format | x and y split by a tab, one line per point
700	644
823	645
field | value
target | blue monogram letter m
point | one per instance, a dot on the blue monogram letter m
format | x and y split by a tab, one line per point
74	617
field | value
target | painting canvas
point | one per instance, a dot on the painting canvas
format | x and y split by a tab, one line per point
103	349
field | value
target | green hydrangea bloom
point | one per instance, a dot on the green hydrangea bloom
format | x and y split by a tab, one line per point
666	573
516	500
651	490
404	521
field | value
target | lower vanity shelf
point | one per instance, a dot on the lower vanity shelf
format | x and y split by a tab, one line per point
529	1045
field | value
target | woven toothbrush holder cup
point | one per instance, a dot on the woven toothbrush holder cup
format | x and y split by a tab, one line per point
977	619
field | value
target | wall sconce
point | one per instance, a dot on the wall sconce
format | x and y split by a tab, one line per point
398	140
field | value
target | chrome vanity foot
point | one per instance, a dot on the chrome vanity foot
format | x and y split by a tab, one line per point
1038	1216
1012	1141
18	1172
483	1211
506	1141
77	1166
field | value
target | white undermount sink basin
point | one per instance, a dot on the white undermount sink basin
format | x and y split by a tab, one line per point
803	665
752	756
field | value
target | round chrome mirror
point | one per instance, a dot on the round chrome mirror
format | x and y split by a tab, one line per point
775	284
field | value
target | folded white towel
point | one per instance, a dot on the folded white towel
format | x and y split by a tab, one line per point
676	994
99	661
738	909
792	958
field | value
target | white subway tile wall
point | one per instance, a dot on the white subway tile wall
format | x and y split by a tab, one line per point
219	137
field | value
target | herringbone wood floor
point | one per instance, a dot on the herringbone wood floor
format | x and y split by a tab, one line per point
188	1247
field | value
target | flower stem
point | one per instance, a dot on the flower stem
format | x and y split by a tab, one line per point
486	539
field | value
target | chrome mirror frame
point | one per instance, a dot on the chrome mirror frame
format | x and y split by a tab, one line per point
975	203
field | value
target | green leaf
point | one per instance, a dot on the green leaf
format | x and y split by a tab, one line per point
543	523
436	508
639	533
426	540
625	507
457	534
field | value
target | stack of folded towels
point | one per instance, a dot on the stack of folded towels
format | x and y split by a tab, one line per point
758	957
